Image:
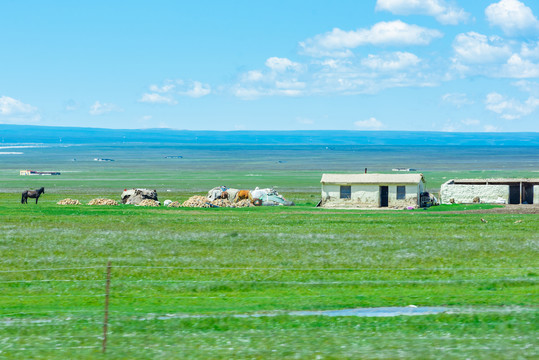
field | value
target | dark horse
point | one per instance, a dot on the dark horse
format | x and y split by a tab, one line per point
34	194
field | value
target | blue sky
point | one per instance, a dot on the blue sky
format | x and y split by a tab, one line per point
425	65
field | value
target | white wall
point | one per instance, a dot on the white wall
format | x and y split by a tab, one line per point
367	196
330	192
411	198
536	194
464	194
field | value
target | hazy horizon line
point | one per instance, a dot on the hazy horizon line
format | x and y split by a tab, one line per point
269	130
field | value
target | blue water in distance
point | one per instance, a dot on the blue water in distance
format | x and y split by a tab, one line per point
70	135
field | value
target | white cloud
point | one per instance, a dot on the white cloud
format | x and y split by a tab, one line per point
474	48
292	84
246	93
167	87
530	50
337	76
290	92
370	75
391	62
11	106
167	93
334	63
281	64
253	75
464	125
338	42
530	87
345	76
457	99
448	14
369	124
15	111
513	17
516	67
197	89
470	122
251	93
510	109
477	54
279	78
153	98
102	108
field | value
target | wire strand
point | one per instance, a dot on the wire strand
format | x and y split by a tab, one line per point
267	268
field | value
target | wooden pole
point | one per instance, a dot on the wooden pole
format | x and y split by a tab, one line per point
521	192
106	321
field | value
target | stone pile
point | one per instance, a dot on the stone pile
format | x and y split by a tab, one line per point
175	204
149	202
102	202
204	202
68	201
197	201
222	202
242	203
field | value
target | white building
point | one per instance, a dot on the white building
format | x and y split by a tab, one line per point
371	190
33	172
509	191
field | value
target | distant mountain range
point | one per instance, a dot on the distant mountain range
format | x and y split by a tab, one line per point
74	135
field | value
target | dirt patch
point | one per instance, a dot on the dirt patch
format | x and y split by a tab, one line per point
507	209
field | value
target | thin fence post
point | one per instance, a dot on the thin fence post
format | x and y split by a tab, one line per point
106	321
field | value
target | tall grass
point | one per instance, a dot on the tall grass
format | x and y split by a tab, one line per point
220	262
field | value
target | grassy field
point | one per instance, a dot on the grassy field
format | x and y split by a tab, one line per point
221	283
202	266
291	169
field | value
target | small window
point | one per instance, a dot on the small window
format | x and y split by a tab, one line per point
346	192
401	192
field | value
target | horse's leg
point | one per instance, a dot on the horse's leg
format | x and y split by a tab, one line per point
37	197
22	198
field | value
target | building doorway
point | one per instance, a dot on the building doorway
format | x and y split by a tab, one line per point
527	193
514	194
384	196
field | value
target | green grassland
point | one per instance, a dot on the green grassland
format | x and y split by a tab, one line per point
184	282
288	168
218	262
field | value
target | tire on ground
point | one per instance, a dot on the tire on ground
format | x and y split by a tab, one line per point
257	202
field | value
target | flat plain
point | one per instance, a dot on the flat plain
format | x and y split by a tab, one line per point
224	283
